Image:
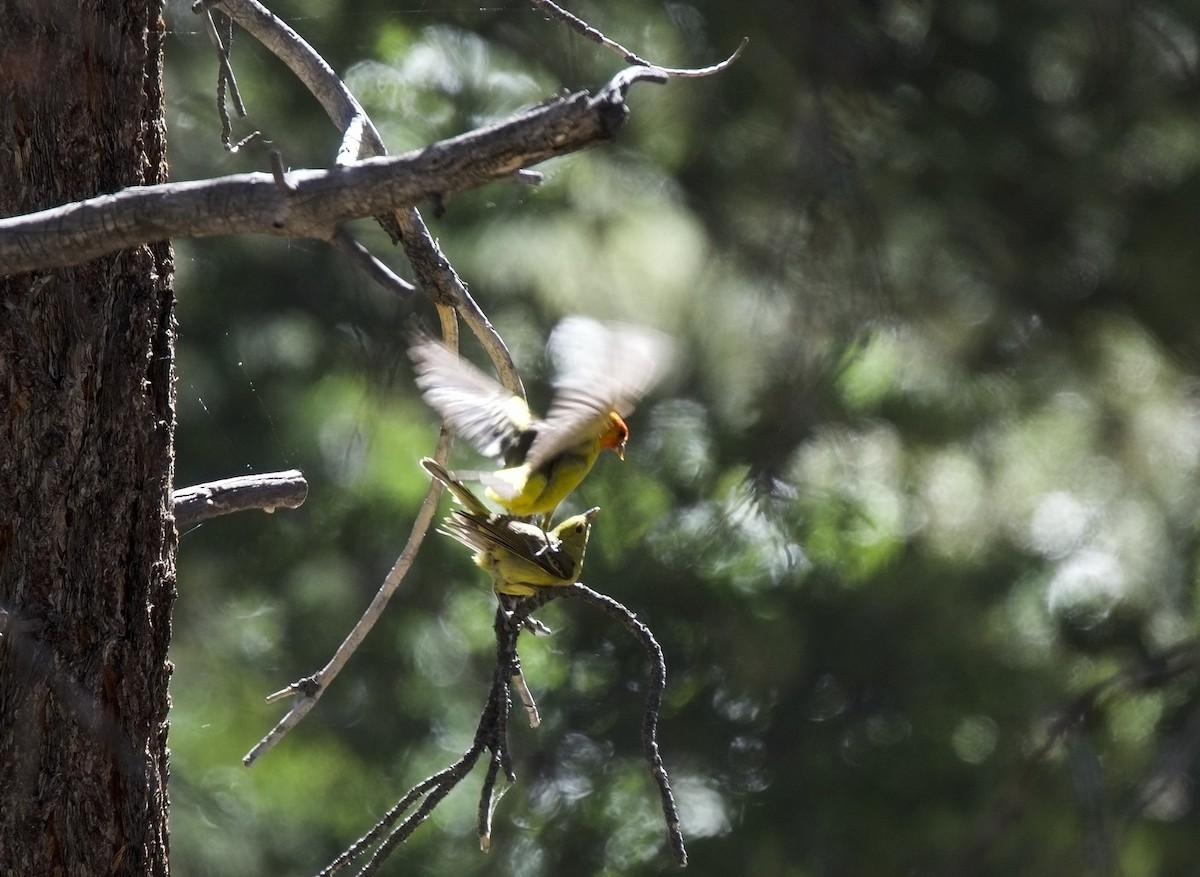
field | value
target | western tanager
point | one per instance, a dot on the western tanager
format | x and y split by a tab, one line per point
604	369
520	557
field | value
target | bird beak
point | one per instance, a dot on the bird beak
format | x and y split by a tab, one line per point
591	513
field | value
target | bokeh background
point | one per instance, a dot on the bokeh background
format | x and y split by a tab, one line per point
926	473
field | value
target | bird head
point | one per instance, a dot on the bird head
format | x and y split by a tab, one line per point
573	534
615	434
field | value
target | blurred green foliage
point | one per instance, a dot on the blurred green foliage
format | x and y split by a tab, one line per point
927	470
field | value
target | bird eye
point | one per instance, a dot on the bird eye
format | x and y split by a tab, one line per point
579	528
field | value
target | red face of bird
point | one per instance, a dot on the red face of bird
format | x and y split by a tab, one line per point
615	436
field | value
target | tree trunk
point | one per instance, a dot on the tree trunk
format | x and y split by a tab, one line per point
86	425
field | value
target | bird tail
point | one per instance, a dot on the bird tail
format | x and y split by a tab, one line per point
454	484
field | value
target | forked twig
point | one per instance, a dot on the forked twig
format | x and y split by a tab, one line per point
491	734
227	84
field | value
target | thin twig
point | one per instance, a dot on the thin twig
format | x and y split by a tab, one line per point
376	269
459	769
309	690
654	693
227	84
483	330
699	72
581	27
404	830
279	174
584	29
526	698
268	491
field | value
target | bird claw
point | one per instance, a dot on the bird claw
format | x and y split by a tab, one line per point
530	623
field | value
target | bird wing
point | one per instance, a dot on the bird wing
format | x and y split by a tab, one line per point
475	406
524	541
602	368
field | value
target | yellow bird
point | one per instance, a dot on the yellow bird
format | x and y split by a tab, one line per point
519	557
604	370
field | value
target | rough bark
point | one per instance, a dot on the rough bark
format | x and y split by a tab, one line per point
86	425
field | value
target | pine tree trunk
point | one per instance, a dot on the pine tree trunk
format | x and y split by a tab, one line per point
87	418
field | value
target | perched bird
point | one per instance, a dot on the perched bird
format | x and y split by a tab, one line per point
520	557
604	369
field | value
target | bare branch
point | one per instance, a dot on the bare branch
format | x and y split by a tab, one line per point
491	734
268	492
323	199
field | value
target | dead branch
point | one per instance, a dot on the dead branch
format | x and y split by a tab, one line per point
320	200
212	499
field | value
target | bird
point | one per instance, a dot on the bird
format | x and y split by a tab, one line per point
520	557
604	370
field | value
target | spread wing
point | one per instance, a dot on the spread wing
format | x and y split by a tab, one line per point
473	405
602	368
